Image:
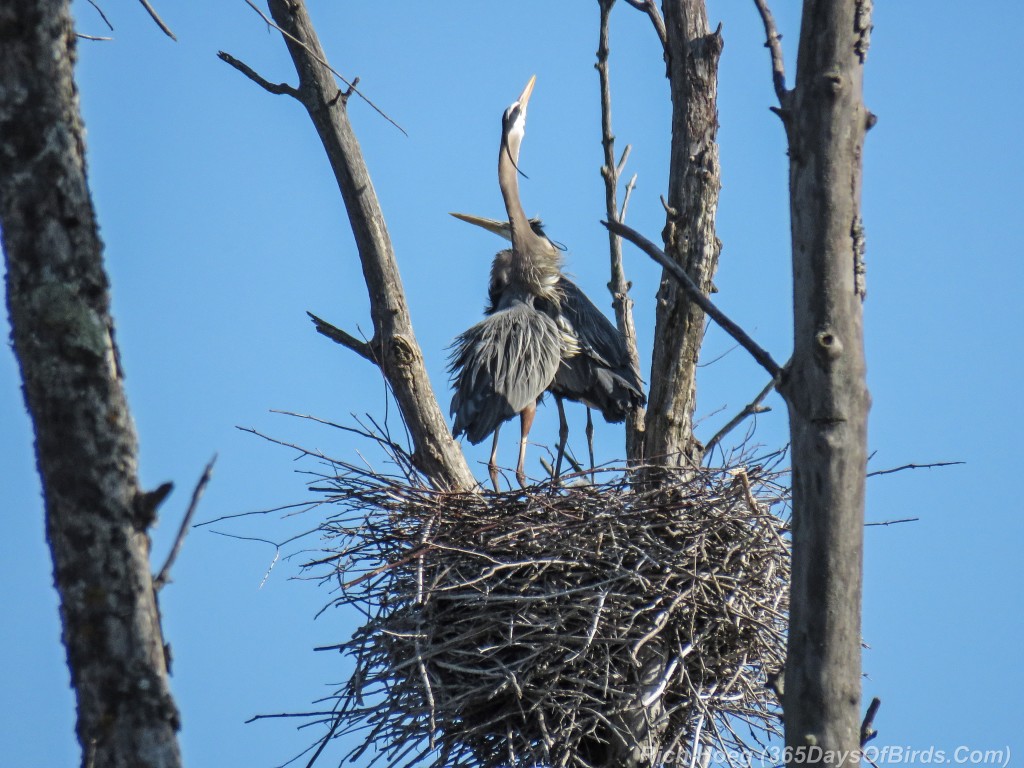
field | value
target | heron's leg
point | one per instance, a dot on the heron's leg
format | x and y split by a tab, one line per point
525	422
590	443
492	465
563	436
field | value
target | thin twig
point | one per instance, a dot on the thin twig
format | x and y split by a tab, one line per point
753	407
757	352
651	9
335	334
914	466
625	199
350	83
280	89
159	22
895	522
774	45
165	573
83	36
102	15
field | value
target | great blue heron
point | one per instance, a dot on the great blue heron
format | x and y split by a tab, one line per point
595	370
503	364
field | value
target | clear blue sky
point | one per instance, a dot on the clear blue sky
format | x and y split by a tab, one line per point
223	226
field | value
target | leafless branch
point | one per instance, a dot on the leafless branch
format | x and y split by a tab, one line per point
335	334
753	407
102	15
625	199
159	22
757	352
894	522
915	466
618	285
165	573
651	9
322	61
279	89
867	727
773	44
83	36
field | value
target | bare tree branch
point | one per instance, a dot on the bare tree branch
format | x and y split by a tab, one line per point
318	56
914	466
618	285
753	407
279	89
651	9
344	338
164	576
697	296
867	727
102	15
773	44
395	349
159	22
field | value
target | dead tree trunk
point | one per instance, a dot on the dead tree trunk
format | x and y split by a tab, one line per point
691	53
57	295
824	384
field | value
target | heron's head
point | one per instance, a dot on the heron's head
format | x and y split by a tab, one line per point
513	122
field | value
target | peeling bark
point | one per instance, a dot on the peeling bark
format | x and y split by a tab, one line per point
692	52
86	450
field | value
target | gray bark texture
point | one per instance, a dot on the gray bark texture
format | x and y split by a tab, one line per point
824	383
393	346
57	296
691	52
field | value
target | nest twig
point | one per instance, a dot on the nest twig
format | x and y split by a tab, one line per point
562	626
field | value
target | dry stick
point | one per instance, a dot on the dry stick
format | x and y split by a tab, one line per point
347	340
894	522
867	727
102	15
915	466
165	573
757	352
753	407
159	22
321	60
83	36
279	89
618	285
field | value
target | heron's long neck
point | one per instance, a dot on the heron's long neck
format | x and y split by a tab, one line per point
534	264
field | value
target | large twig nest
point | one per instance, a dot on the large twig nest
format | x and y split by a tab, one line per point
562	626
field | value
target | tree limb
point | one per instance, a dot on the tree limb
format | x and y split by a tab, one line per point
651	9
774	45
344	338
197	493
753	407
395	350
159	22
279	89
697	297
618	285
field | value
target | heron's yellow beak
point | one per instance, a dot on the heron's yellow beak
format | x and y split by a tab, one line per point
524	97
496	227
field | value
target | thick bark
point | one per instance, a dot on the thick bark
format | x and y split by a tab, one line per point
57	296
618	285
394	345
824	384
691	53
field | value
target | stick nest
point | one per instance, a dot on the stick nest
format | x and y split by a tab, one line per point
560	626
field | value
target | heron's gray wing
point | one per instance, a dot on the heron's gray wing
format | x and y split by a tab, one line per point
500	366
597	336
